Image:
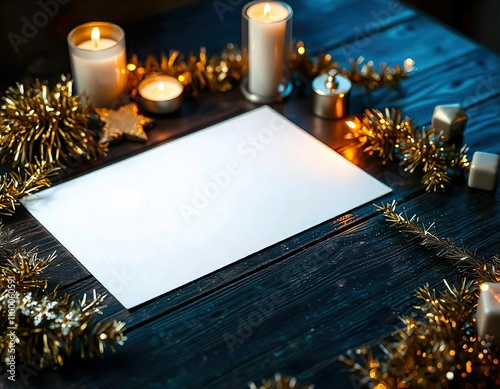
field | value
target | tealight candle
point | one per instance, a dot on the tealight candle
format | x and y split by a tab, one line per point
161	93
98	62
268	29
488	312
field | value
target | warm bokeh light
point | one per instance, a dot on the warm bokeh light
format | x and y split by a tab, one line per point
484	287
409	64
350	124
131	67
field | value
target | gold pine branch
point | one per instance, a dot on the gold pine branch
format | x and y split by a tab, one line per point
467	262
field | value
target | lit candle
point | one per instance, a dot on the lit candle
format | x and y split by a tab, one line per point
267	41
161	93
488	312
98	62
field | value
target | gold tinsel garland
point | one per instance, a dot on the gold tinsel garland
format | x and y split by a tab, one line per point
48	126
391	136
220	73
437	347
47	327
22	182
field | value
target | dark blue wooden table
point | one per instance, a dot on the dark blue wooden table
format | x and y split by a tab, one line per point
296	306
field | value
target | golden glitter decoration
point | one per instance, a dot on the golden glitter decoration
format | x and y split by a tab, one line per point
362	73
437	346
46	327
126	122
391	136
50	126
22	182
468	263
279	382
221	73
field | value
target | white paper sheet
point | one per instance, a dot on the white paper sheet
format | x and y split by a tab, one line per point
158	220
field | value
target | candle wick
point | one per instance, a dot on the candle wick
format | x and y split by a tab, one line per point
95	36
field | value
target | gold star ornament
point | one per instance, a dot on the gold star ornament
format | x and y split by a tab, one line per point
125	122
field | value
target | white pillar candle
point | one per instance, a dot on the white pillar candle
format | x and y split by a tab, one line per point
267	28
488	312
98	62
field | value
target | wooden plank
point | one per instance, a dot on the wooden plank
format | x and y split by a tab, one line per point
305	310
419	38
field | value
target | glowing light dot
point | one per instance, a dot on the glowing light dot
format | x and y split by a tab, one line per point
484	287
301	50
131	67
350	124
450	376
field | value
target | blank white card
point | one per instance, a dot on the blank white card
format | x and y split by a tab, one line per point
158	220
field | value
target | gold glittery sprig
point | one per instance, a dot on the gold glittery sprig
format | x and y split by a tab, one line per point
437	346
362	73
23	182
50	126
391	136
279	382
467	263
46	327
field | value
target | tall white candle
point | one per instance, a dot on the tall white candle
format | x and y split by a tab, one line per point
267	22
98	62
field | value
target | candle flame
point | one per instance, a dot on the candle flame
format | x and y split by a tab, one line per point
267	9
95	36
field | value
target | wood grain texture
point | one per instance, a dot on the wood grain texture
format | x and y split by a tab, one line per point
296	306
